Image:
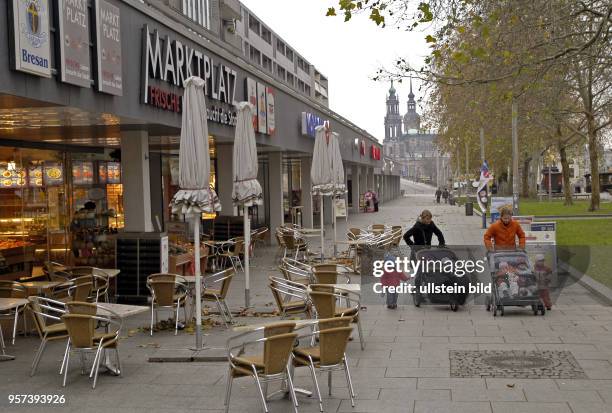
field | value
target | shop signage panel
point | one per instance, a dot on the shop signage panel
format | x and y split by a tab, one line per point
53	174
262	106
11	178
102	173
251	92
30	33
271	111
170	61
108	41
82	173
75	66
35	176
310	122
496	204
113	172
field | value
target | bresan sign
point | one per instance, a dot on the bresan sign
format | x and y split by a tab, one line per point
171	61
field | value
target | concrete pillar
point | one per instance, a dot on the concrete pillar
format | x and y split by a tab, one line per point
355	178
136	181
371	184
306	195
225	154
275	187
327	210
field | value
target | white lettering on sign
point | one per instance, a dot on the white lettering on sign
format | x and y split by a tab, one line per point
75	13
173	62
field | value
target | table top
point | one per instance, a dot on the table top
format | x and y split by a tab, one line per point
347	287
43	285
353	242
122	310
111	272
298	324
9	303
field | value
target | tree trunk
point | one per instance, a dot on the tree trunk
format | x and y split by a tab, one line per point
567	191
594	159
525	178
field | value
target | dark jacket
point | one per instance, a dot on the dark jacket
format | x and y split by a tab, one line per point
421	234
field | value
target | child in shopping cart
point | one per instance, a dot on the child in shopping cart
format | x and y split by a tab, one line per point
507	280
392	279
543	275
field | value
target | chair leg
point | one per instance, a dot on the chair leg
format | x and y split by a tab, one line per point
229	313
118	360
38	356
178	308
360	333
64	359
261	393
329	382
152	317
313	373
97	365
82	363
349	381
221	312
292	390
15	326
66	366
228	390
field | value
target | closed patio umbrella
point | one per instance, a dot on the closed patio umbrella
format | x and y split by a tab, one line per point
195	195
337	177
246	190
321	174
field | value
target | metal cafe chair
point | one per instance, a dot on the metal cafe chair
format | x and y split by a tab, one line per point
47	309
325	300
222	279
84	338
296	271
100	281
291	298
270	365
232	250
329	355
13	289
168	291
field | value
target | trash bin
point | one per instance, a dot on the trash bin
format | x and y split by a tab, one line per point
469	208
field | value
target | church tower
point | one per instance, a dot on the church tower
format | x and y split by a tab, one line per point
393	119
412	120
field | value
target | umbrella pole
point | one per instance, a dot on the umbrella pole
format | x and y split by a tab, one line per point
198	285
334	224
322	227
247	246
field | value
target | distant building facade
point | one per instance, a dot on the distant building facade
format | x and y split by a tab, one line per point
412	147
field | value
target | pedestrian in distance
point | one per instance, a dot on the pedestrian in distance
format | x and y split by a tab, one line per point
392	279
445	195
438	195
502	234
543	275
422	232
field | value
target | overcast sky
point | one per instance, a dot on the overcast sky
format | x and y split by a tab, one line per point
347	53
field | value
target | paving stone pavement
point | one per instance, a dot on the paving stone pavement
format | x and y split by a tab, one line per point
405	367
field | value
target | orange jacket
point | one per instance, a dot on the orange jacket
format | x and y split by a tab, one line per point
504	235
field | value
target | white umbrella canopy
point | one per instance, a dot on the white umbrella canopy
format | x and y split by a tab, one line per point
246	190
195	195
322	175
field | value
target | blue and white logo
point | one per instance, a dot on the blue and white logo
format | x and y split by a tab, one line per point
35	12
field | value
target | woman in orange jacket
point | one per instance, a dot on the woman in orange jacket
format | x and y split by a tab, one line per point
504	232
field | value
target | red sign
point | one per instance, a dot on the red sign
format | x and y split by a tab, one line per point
375	153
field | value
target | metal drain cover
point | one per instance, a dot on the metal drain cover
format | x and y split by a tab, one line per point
515	364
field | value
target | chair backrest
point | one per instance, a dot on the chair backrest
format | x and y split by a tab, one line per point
81	329
81	307
163	292
333	343
325	268
324	302
279	328
279	237
285	291
353	233
228	275
335	322
289	240
276	352
100	285
84	270
51	268
42	309
81	288
239	246
12	289
326	277
326	288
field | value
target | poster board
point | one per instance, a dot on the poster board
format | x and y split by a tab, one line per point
542	239
497	203
341	208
